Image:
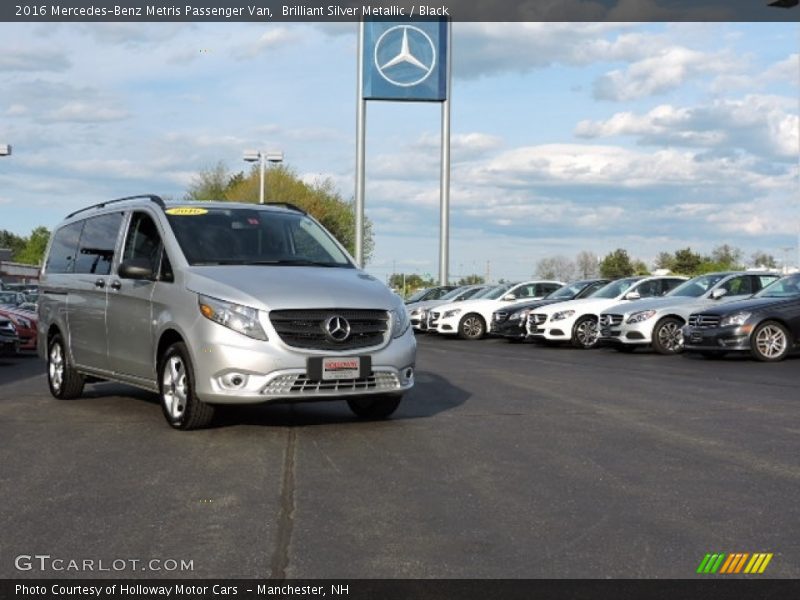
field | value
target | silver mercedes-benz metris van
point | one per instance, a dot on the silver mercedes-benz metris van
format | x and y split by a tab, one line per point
213	303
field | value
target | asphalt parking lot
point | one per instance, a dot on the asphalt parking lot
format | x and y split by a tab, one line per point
505	461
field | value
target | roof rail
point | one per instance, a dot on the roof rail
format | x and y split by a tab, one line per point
151	197
288	205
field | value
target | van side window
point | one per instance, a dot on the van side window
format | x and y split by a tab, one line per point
64	249
143	240
96	248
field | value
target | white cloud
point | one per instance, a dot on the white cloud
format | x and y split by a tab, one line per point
86	112
32	59
272	37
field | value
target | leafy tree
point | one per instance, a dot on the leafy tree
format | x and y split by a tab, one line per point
471	280
586	265
665	260
617	264
763	260
555	267
320	198
640	268
12	241
412	281
35	245
687	262
726	257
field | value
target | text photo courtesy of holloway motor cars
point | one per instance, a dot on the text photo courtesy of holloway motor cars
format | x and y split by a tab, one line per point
390	295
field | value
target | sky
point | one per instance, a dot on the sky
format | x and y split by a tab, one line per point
565	136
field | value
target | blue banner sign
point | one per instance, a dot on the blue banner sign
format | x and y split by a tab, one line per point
405	61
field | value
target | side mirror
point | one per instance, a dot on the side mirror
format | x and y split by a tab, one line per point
634	295
136	268
509	297
718	293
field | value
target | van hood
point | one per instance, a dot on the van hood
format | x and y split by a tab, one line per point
271	287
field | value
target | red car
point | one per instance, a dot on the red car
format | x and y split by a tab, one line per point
25	321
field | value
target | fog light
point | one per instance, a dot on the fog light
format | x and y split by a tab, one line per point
408	374
233	381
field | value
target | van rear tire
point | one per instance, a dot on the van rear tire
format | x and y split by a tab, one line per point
179	402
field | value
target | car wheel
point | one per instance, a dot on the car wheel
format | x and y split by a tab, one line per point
471	327
64	381
668	337
182	408
585	333
374	407
769	342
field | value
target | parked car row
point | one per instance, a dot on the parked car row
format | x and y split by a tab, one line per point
712	314
19	321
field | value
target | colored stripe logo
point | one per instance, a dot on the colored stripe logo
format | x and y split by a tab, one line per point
733	563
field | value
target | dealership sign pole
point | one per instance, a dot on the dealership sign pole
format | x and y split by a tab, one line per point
404	62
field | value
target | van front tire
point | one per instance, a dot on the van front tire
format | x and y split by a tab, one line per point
64	381
181	406
374	408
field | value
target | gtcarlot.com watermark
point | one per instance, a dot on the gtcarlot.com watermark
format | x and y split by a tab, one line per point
47	563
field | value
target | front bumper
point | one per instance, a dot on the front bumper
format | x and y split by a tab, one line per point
233	369
727	339
514	329
634	334
448	325
9	345
559	331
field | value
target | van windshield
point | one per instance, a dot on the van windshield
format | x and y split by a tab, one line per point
252	236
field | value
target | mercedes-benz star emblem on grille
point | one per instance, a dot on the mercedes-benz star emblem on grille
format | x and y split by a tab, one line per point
337	328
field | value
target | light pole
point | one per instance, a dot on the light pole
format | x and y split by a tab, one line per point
273	157
5	150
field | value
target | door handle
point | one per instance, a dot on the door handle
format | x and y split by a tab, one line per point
115	285
100	283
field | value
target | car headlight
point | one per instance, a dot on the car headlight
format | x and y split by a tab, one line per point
735	319
560	316
640	316
400	322
451	313
22	322
520	314
243	319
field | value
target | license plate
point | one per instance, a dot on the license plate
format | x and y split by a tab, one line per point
338	367
696	338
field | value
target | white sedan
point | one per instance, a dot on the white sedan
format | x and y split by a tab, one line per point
469	319
576	321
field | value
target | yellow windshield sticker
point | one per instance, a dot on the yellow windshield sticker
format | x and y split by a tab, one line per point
186	211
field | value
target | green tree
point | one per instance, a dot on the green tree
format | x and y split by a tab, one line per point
319	198
470	280
665	260
726	257
640	268
35	245
763	260
12	241
687	262
617	264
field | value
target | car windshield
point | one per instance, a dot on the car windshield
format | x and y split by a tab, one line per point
568	291
616	288
456	293
694	288
252	236
785	287
10	298
495	292
418	295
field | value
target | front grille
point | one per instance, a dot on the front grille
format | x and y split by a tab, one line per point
703	321
537	319
610	320
433	319
306	328
300	385
500	316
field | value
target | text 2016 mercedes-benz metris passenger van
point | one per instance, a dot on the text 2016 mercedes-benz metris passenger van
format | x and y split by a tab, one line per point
218	303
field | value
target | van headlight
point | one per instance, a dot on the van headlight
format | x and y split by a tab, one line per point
400	322
243	319
640	316
735	319
560	316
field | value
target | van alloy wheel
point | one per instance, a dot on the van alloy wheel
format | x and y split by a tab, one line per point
63	380
56	367
179	402
175	387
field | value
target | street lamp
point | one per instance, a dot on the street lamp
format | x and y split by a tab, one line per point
5	149
273	157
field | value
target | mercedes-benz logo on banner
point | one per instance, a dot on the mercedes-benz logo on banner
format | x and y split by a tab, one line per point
405	55
337	328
